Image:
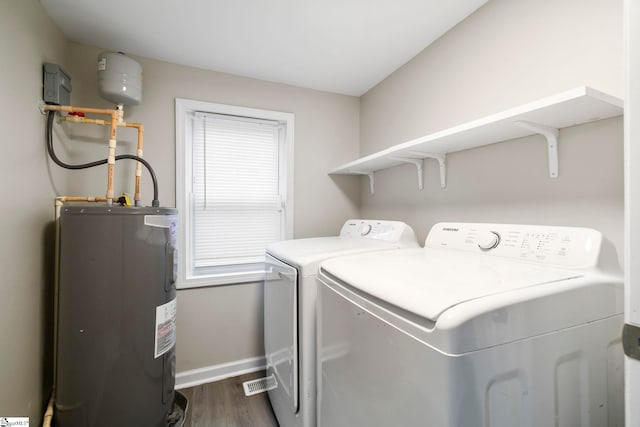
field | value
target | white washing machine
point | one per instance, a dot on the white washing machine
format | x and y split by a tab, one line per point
488	325
290	313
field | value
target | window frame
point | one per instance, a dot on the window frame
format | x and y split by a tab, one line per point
232	274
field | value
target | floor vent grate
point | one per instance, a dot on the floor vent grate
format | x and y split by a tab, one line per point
260	385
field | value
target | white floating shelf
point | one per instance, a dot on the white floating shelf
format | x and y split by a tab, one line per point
546	116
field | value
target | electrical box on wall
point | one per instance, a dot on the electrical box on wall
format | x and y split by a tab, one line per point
57	85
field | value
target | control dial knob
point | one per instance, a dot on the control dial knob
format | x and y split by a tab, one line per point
365	229
488	240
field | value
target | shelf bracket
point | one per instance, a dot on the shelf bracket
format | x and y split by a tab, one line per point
418	163
552	142
442	162
371	179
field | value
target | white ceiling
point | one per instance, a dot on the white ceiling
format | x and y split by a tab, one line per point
342	46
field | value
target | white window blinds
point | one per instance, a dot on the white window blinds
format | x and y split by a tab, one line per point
237	201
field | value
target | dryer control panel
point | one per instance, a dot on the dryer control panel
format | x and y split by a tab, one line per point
388	231
572	247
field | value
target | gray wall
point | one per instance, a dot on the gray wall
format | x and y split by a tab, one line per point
508	53
29	38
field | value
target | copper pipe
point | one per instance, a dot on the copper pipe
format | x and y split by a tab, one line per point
48	415
140	128
81	199
111	159
84	120
72	109
116	120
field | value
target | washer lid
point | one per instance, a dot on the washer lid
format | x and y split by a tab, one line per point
427	282
308	253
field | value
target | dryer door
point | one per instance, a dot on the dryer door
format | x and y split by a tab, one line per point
281	332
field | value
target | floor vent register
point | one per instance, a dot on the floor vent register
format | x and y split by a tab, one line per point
259	385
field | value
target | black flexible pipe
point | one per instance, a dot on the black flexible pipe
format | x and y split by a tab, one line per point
155	202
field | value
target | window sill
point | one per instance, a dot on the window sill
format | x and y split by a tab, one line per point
221	279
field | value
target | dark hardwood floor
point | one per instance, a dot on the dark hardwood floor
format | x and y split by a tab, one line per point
223	404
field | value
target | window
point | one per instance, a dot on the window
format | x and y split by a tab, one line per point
233	188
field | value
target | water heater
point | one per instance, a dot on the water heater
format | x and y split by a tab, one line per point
116	317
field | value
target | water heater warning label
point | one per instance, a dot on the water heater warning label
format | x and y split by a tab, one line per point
165	327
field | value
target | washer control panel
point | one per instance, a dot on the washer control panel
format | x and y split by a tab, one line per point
389	231
564	246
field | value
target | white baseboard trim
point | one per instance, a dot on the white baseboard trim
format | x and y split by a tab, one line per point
213	373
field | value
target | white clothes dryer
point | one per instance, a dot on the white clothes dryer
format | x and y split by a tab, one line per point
290	309
489	325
